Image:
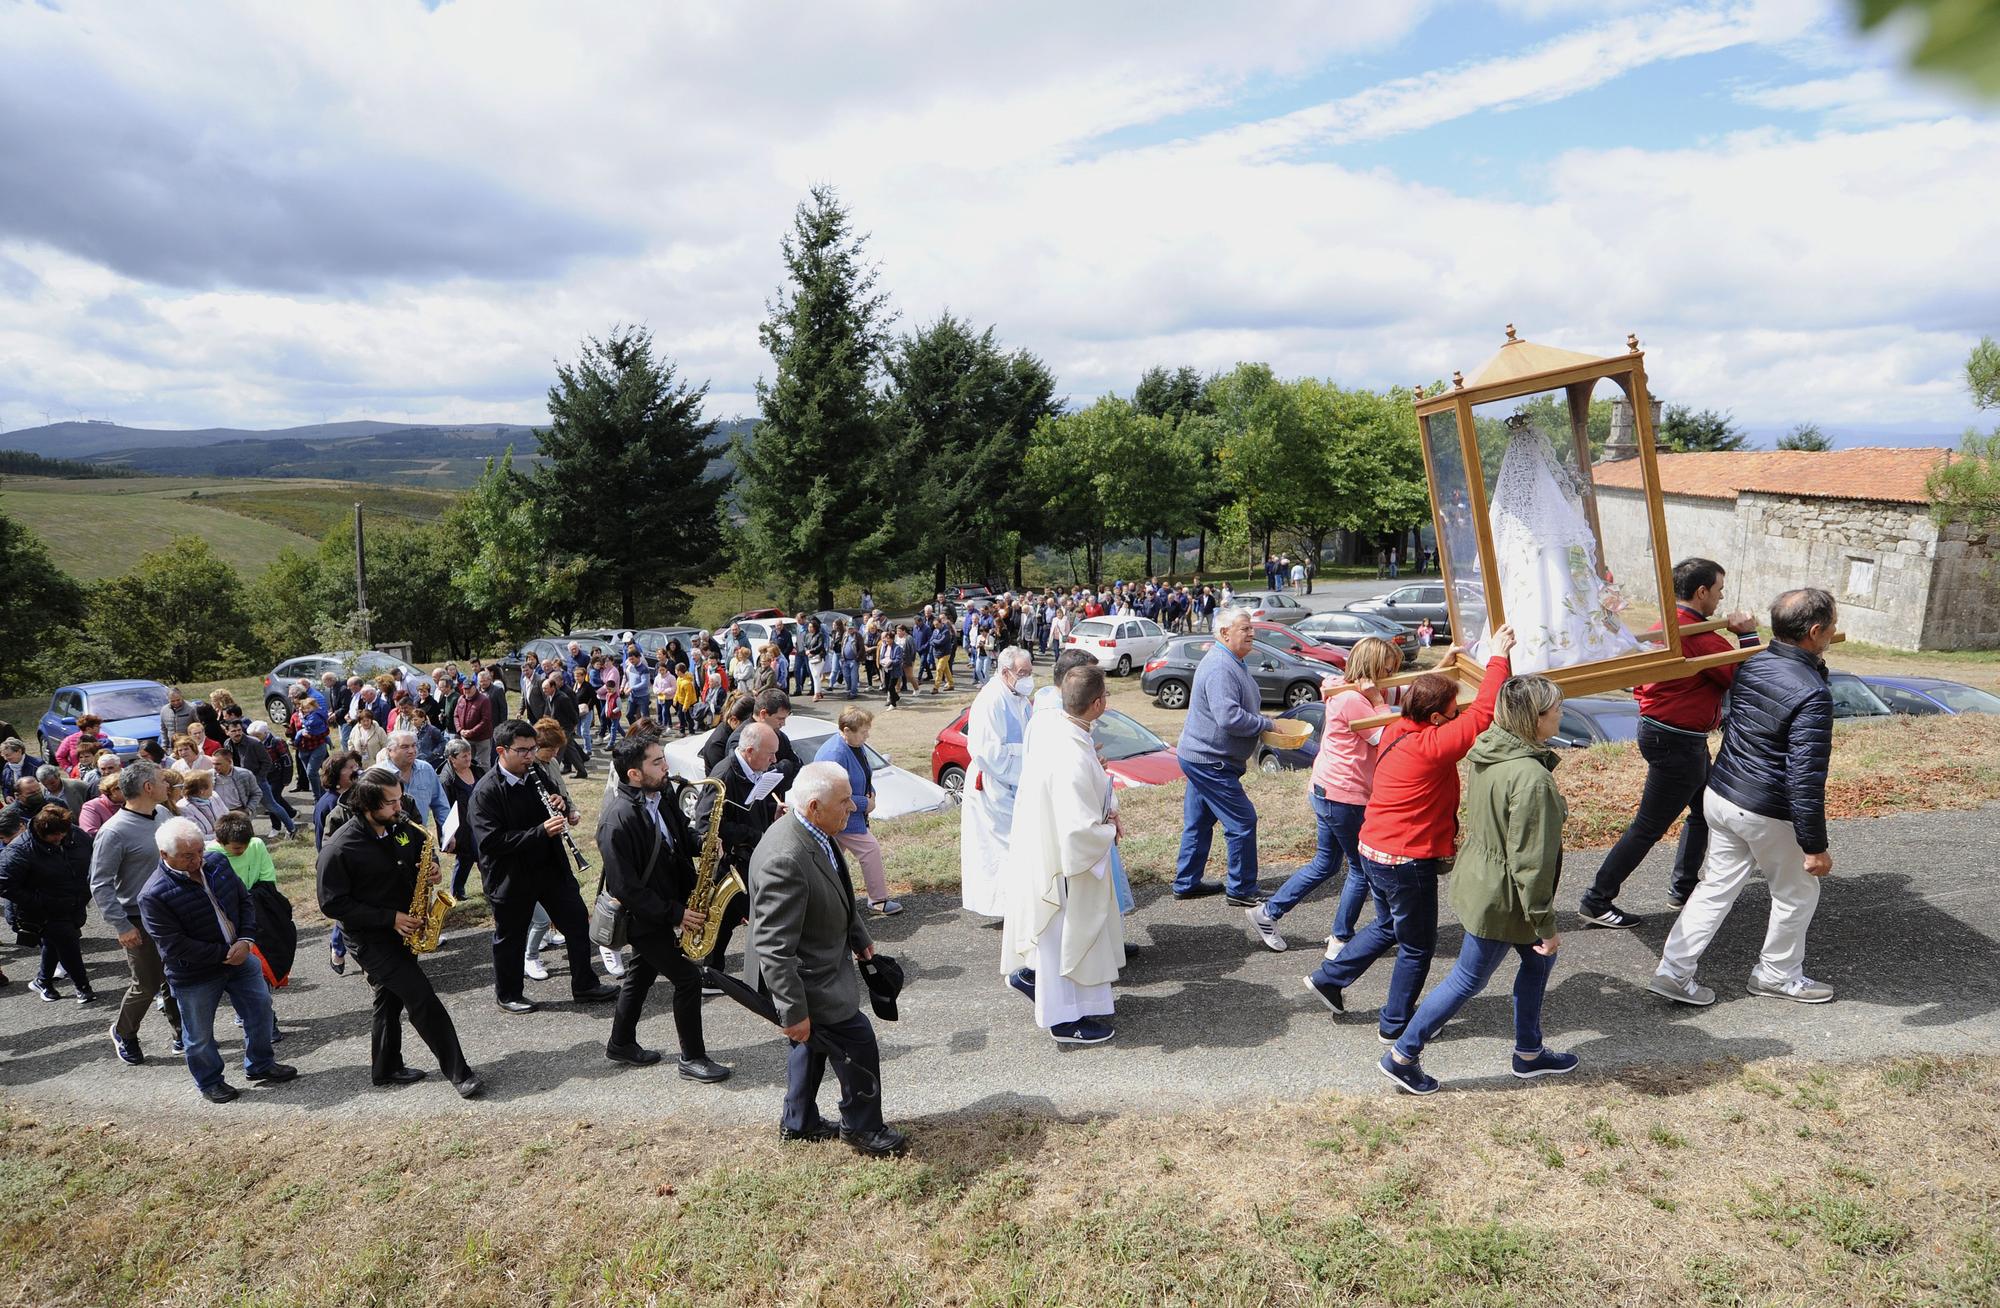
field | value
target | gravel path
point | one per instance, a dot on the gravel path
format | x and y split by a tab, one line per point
1908	932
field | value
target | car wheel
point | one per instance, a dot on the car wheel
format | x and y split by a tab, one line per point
1300	692
279	713
1172	694
1267	761
1124	665
690	797
49	749
953	781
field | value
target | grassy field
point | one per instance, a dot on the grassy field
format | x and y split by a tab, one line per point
1772	1183
97	529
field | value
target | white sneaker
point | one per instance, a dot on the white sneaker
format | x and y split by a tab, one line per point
555	940
535	969
1267	930
1681	992
1800	990
614	962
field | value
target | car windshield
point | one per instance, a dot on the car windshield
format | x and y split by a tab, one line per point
1093	627
1266	643
1851	698
130	702
1119	737
1965	699
369	665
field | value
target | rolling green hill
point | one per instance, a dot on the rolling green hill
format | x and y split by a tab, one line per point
98	528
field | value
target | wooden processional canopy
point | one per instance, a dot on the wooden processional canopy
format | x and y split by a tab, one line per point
1464	430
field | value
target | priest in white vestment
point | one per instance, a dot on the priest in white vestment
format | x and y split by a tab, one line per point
1048	701
995	737
1064	922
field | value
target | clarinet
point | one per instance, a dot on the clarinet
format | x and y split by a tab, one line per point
553	803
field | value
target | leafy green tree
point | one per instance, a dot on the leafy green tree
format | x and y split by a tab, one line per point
512	577
1959	39
292	591
820	498
1105	472
1982	373
39	602
180	614
1967	489
957	414
1683	431
1806	436
1181	396
624	478
1163	394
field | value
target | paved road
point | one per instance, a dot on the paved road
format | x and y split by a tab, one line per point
1908	932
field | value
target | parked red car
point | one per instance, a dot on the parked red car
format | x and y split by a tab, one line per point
1133	755
1301	647
759	615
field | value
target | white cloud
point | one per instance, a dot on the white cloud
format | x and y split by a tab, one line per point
1838	276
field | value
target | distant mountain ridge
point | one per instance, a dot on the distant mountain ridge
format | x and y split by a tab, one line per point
435	454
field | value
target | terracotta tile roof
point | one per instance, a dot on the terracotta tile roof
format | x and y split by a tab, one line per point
1895	475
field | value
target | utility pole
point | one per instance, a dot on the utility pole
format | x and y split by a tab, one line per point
361	582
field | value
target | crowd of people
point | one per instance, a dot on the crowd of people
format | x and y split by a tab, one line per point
165	845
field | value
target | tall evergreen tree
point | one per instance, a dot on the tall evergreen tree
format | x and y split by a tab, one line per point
624	475
957	415
820	498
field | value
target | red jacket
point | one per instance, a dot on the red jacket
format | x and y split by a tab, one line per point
474	716
1413	809
1693	703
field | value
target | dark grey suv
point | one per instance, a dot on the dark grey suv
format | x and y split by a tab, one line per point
1281	679
1410	605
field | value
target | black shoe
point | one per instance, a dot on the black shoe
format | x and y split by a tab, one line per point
1200	890
1675	899
220	1093
128	1050
518	1005
883	1141
1251	900
817	1133
401	1076
1329	995
1617	919
703	1069
85	997
179	1046
470	1088
275	1074
46	989
1023	980
597	994
632	1054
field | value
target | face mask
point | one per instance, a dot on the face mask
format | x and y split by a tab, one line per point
1025	686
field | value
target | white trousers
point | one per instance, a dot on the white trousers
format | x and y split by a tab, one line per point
1740	845
1059	1000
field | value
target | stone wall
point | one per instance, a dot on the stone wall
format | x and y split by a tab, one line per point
1875	557
1900	580
1706	527
1965	591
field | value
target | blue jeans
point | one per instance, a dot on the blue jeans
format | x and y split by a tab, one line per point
279	813
1215	793
583	729
850	673
1339	834
312	764
249	996
1406	919
1478	959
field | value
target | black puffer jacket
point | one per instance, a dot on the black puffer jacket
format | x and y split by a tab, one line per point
48	883
1776	740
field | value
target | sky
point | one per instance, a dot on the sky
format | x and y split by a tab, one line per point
261	215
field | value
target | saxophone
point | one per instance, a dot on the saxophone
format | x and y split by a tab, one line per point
711	895
431	906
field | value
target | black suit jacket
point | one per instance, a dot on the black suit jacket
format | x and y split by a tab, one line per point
365	880
787	760
515	855
743	823
627	838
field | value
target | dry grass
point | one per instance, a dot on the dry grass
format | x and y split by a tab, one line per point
1780	1183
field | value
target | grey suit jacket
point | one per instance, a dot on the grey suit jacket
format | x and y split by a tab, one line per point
804	930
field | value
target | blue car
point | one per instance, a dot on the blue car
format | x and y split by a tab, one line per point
1926	696
130	710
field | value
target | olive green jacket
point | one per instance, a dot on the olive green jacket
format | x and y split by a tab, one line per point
1503	886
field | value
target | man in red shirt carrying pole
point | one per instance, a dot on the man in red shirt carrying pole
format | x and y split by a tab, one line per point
1675	718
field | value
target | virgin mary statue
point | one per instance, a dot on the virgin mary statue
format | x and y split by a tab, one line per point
1562	609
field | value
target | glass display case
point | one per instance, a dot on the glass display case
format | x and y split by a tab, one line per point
1508	455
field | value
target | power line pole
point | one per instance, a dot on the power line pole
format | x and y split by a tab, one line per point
361	581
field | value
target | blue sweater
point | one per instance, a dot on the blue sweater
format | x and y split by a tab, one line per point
1223	721
835	749
181	921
